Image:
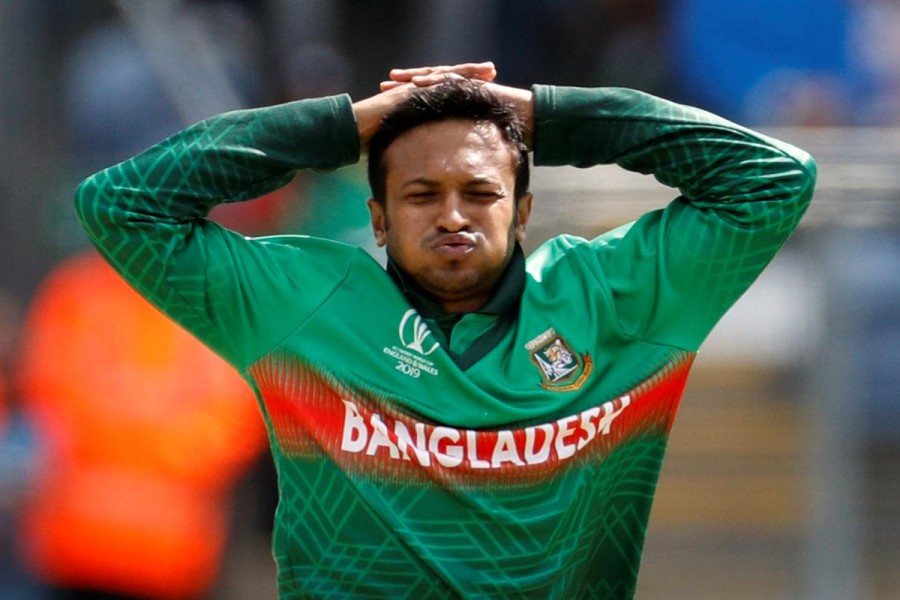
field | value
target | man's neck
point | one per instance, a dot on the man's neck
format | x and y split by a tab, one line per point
466	305
502	300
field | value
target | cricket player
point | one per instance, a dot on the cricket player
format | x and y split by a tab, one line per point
466	422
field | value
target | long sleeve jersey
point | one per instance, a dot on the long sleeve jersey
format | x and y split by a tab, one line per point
403	473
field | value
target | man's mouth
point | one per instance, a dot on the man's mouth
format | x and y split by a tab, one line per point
454	245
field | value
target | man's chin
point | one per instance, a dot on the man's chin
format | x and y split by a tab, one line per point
452	284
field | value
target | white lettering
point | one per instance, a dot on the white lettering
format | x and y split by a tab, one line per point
405	443
587	425
355	433
453	455
610	416
380	438
564	450
453	448
541	455
408	369
472	450
505	450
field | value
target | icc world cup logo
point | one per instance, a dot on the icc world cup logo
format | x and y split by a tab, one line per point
415	335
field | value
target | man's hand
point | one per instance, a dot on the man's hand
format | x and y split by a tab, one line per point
402	82
426	76
369	112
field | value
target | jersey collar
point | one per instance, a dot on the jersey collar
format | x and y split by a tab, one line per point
503	301
501	308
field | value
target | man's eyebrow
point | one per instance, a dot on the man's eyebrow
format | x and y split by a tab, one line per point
420	181
483	180
478	180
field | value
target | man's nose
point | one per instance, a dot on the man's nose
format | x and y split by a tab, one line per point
452	215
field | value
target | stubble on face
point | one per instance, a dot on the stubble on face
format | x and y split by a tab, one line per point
458	259
454	281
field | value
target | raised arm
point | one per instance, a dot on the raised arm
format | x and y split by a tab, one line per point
146	216
675	272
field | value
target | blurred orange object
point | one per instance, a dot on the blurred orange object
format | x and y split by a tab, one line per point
3	407
145	431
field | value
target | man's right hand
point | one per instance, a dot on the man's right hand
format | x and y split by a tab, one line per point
426	76
370	111
402	82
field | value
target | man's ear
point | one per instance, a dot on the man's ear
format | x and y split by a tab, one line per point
523	213
378	220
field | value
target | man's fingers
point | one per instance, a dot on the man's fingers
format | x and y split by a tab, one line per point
389	85
408	74
485	71
425	80
433	79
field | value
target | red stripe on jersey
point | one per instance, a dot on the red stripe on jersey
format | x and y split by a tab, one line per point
367	435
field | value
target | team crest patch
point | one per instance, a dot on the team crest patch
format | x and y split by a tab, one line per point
563	369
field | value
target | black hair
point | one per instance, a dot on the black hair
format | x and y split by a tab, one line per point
457	98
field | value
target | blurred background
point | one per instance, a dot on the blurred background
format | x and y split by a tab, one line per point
131	461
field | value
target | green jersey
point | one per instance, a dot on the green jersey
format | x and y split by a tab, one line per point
513	453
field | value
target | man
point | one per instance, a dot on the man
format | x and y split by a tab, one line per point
469	423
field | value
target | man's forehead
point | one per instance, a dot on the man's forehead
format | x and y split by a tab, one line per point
478	144
450	130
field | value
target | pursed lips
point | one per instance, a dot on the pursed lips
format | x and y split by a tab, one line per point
454	245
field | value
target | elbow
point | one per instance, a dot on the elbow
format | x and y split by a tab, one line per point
85	196
808	174
88	200
796	176
809	167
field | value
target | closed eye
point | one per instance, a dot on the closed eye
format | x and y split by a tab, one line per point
420	195
484	195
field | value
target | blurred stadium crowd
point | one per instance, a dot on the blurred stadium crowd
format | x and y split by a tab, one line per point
125	448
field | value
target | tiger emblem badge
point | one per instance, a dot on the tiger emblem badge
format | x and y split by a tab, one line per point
562	369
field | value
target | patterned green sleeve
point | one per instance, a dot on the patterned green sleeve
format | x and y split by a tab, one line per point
147	217
674	272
